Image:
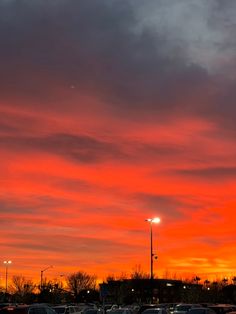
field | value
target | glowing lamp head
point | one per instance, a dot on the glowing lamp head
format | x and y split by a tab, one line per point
155	220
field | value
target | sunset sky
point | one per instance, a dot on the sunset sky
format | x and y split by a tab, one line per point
111	112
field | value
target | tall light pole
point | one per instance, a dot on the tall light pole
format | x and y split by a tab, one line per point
41	277
151	221
7	263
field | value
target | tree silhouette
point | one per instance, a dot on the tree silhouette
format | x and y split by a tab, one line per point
80	281
21	285
138	273
196	279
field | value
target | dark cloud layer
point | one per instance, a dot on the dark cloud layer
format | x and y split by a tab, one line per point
88	149
166	205
170	207
64	244
103	48
93	46
35	204
210	173
79	148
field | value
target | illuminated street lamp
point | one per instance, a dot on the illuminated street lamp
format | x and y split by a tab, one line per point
7	263
151	221
41	278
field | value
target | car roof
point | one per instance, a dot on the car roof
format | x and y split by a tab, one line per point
187	304
223	305
61	306
22	306
155	309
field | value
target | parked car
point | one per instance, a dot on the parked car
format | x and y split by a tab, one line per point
111	308
123	310
88	308
183	308
146	306
28	309
223	308
201	310
91	311
2	305
172	307
66	309
155	310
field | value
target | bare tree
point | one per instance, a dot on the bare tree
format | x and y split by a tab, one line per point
196	279
171	275
234	280
81	281
167	274
138	273
21	285
110	277
122	276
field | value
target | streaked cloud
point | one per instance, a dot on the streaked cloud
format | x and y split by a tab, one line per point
222	173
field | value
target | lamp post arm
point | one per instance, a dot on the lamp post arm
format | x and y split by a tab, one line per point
41	276
46	268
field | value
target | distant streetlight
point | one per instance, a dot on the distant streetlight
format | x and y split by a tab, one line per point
41	277
7	263
151	221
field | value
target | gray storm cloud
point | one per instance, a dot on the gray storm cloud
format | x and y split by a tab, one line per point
138	57
204	27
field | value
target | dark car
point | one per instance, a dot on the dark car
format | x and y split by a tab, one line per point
155	310
146	306
66	309
2	305
28	309
91	311
223	308
183	308
201	310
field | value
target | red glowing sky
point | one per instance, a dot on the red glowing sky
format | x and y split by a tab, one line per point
113	112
